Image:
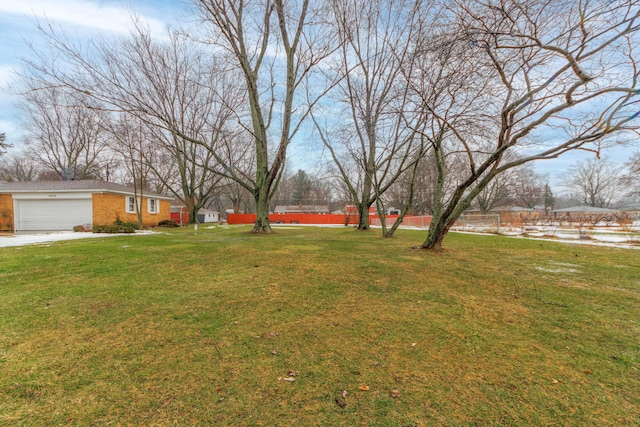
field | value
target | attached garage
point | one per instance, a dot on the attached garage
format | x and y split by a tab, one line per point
51	214
62	205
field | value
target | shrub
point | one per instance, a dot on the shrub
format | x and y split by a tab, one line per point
168	223
133	225
112	229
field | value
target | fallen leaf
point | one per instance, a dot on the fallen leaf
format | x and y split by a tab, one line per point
588	372
414	344
395	393
344	394
274	351
290	379
364	388
341	403
554	381
292	373
376	363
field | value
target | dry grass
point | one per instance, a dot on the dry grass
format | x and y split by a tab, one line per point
203	329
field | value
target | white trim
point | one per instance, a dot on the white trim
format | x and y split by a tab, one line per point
127	200
156	205
51	195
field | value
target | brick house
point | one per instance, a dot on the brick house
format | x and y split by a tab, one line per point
61	205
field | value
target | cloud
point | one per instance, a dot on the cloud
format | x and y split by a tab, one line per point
81	13
6	74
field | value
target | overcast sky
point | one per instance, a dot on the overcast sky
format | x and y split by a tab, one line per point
84	17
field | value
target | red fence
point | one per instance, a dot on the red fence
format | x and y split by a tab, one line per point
422	221
293	218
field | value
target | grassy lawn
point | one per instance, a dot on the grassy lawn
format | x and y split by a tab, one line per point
209	328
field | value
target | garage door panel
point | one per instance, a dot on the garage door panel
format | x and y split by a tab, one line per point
48	215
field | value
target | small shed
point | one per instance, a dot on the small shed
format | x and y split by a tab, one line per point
206	215
180	214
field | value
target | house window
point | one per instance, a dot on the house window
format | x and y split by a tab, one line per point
154	208
131	204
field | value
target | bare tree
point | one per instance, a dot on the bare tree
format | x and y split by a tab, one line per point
63	134
426	182
372	145
495	195
540	68
235	197
527	186
174	87
597	181
631	179
302	188
3	144
130	138
19	166
275	44
520	186
195	98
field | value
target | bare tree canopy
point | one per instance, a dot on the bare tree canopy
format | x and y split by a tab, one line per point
64	133
528	186
539	69
19	166
596	181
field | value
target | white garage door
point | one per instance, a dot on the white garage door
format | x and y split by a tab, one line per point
50	215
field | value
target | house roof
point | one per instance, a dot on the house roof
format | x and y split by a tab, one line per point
634	207
585	209
514	209
207	211
80	186
302	208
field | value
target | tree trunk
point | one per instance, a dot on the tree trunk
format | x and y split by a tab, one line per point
392	231
409	204
262	224
438	230
190	205
193	215
363	211
382	215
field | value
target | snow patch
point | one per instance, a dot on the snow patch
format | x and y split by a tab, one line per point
31	239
